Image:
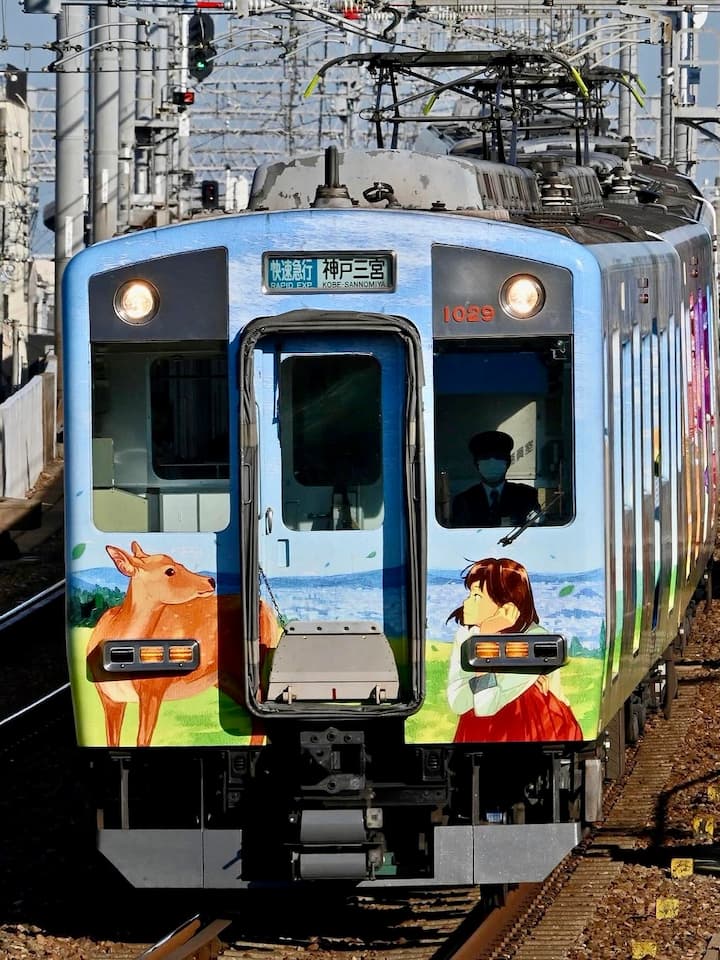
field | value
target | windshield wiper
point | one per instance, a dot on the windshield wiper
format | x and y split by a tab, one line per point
533	517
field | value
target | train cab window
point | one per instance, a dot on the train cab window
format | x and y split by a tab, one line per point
503	432
160	437
188	410
331	442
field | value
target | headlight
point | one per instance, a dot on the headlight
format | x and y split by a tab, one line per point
136	302
522	296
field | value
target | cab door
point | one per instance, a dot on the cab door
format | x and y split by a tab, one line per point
331	478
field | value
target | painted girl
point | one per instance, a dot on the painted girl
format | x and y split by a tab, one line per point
503	706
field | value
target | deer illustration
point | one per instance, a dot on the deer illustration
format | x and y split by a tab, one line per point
165	600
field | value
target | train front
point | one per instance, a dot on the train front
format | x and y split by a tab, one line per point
335	594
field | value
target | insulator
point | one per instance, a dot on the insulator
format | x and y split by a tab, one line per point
555	192
621	183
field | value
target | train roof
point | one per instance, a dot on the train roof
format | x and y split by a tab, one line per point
616	194
402	178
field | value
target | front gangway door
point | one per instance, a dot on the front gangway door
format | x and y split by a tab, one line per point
333	511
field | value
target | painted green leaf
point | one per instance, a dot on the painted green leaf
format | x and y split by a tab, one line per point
567	589
78	550
371	555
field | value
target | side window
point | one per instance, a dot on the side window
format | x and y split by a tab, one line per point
331	441
503	432
160	437
189	418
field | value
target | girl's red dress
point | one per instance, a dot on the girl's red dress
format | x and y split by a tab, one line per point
533	715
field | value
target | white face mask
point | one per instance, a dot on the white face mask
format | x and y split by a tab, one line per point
492	471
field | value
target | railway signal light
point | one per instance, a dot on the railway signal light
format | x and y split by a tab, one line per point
41	6
201	52
183	98
209	194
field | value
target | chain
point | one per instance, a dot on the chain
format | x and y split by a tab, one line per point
262	579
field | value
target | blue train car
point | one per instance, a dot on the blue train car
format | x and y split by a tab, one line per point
388	501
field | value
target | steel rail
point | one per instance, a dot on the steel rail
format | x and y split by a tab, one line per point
32	706
16	615
189	941
24	609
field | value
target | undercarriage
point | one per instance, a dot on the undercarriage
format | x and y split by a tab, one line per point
338	803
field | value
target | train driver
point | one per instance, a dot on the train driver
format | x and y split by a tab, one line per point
494	501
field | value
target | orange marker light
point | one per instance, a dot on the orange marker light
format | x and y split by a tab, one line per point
180	654
487	648
517	648
152	654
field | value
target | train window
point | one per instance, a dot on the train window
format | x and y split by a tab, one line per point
503	432
160	437
189	415
331	430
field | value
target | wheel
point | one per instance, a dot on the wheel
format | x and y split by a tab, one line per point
671	687
632	722
680	641
709	588
615	739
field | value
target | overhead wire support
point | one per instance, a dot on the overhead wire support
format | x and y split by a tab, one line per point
116	44
65	45
337	20
229	6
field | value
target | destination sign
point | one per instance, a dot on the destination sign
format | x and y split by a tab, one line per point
370	271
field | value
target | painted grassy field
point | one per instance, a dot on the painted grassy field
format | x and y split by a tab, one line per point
436	723
213	719
207	719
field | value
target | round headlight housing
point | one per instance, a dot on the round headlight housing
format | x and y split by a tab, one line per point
522	296
136	302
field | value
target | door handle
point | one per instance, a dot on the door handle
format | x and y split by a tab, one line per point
268	520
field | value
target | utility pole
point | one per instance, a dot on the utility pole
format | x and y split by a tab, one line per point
69	164
163	147
667	147
626	109
183	134
143	136
126	120
104	193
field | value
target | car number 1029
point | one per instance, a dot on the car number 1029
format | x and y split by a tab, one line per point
468	313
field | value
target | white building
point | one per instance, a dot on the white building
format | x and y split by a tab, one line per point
26	316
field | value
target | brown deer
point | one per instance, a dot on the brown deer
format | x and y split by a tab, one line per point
165	600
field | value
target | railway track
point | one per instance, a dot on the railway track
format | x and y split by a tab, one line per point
404	927
191	941
41	691
24	611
